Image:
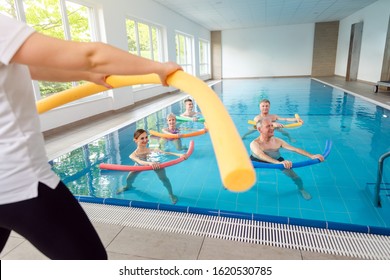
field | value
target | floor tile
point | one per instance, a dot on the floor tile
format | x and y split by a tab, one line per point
214	249
24	251
159	245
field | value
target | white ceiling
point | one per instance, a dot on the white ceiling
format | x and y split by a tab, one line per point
236	14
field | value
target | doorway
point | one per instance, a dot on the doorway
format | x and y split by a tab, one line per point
385	74
354	51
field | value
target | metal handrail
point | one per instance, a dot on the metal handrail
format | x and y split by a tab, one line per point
377	200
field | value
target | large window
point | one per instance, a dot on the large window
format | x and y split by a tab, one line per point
204	57
144	40
62	19
184	52
8	7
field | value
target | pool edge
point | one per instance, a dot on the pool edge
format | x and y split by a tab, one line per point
239	215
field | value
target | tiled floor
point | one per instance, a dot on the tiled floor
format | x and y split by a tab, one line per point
364	90
134	243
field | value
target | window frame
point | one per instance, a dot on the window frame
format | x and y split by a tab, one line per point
94	29
187	53
208	62
160	39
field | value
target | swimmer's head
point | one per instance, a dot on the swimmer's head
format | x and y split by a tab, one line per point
265	101
262	121
171	120
189	104
138	132
171	116
264	106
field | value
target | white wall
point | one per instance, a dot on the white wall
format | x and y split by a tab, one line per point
288	50
258	52
268	52
112	16
375	22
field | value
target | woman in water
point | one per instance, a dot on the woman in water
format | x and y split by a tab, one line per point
172	129
142	156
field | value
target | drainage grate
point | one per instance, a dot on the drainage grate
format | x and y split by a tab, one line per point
351	244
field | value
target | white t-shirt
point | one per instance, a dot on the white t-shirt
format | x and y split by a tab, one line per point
23	160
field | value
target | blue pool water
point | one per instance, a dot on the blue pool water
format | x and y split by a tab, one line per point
342	187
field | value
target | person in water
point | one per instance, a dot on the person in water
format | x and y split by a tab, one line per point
172	129
264	107
141	156
266	148
189	112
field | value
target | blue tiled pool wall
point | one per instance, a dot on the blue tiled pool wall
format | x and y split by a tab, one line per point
341	187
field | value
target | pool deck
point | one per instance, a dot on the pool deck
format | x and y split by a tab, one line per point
364	90
132	243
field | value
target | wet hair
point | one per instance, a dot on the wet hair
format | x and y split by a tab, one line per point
171	115
138	132
188	100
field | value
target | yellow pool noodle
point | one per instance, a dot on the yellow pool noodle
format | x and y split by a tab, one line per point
88	89
290	125
236	170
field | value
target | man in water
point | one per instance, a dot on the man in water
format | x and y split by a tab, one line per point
265	106
266	148
189	112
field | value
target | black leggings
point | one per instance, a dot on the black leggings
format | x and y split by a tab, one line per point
55	223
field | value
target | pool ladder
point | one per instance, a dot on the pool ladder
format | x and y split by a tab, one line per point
377	200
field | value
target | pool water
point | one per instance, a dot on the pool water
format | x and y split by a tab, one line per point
342	187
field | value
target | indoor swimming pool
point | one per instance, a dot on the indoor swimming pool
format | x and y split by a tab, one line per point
342	187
